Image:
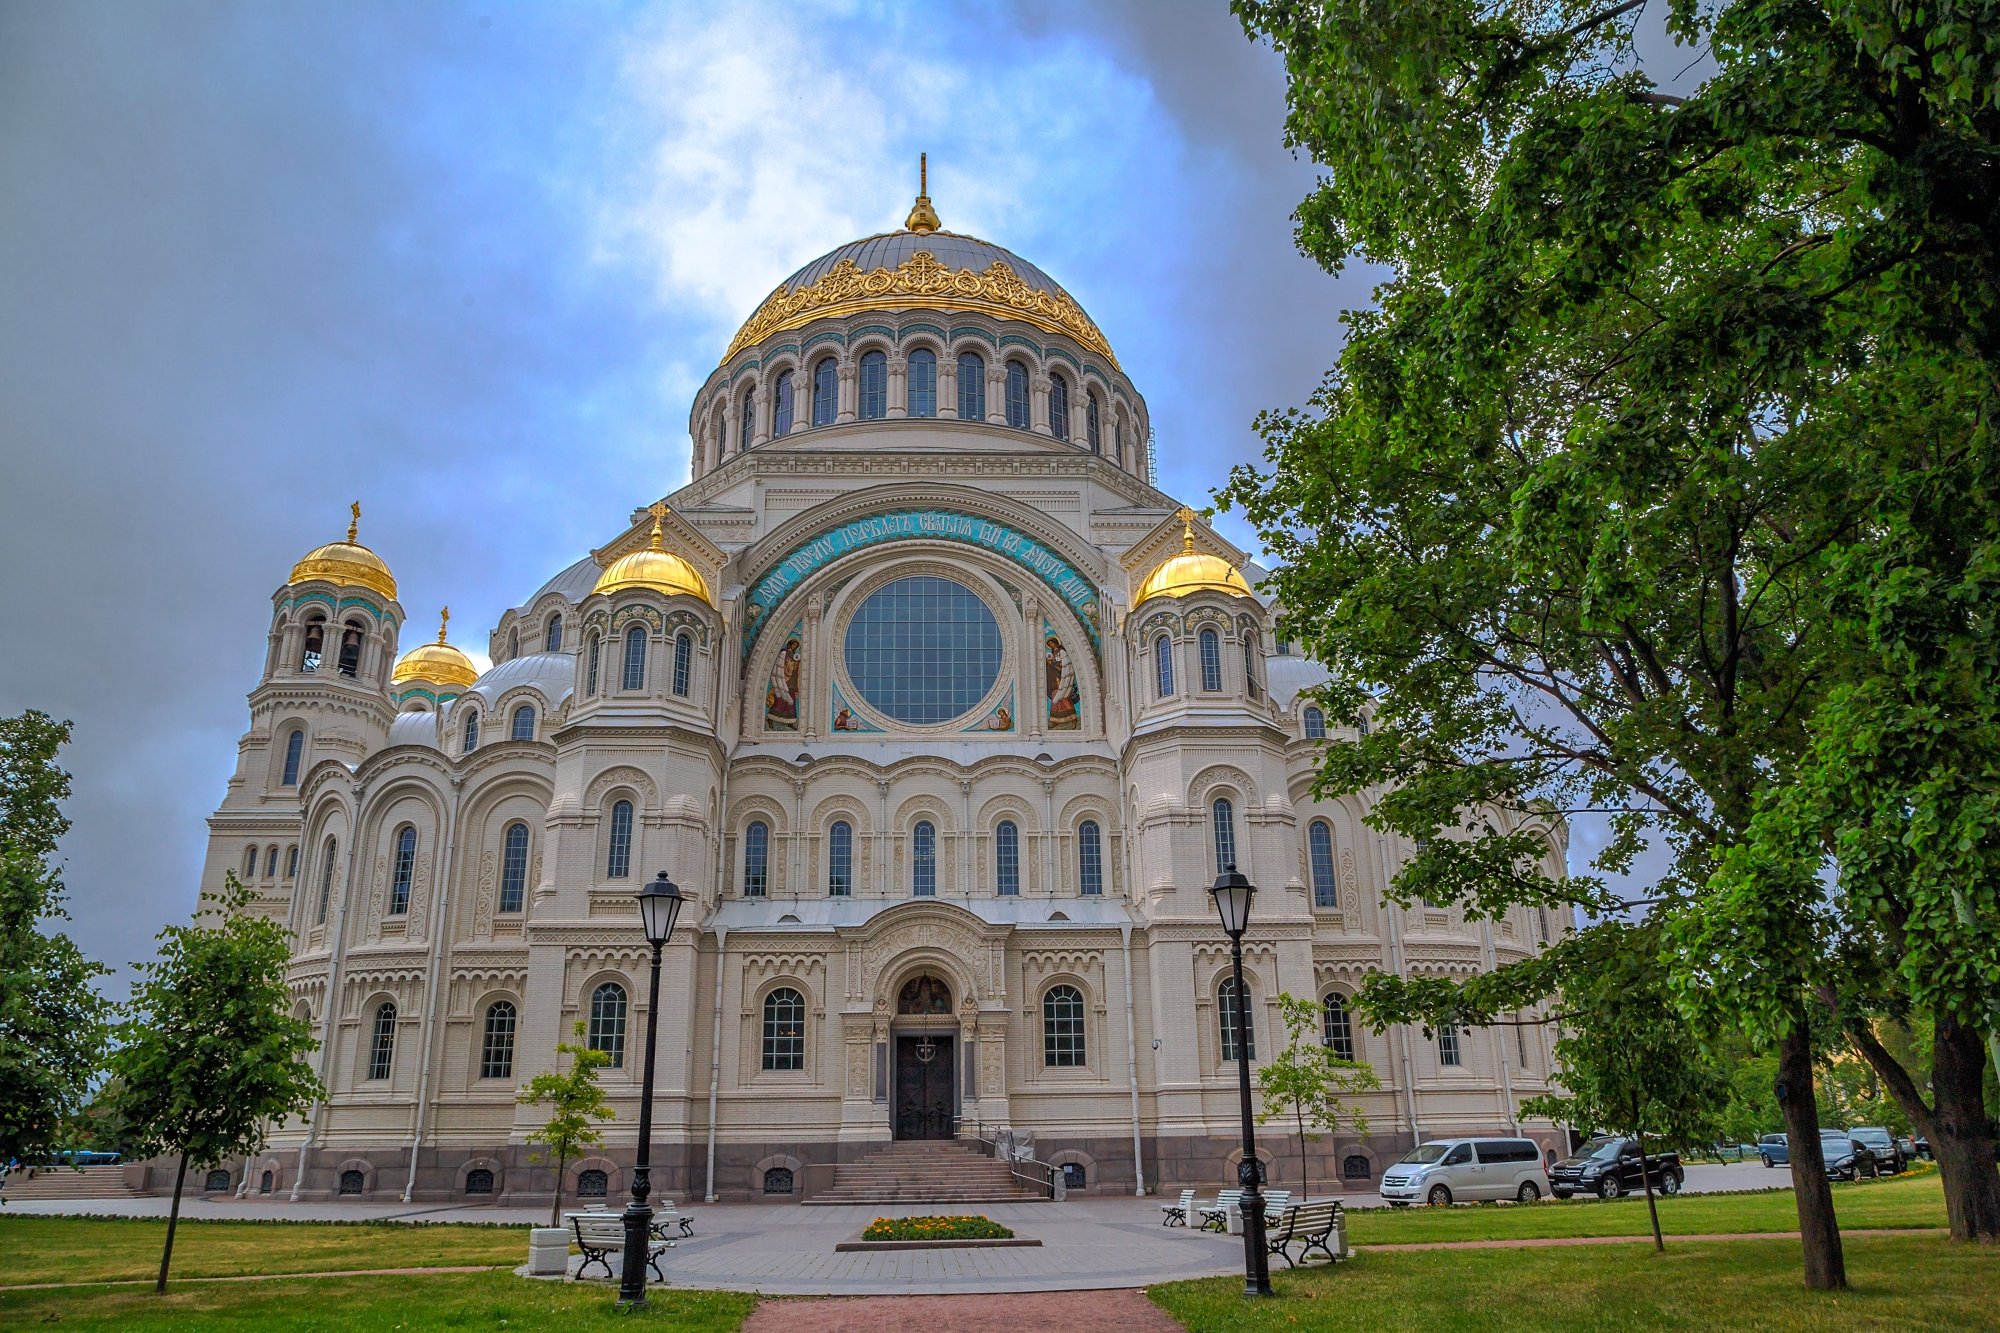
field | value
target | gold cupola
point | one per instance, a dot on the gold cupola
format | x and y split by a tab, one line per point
436	663
347	562
1191	571
654	567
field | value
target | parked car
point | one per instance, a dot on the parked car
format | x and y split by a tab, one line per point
1458	1170
1907	1146
1775	1149
1888	1156
1608	1166
1847	1158
1924	1149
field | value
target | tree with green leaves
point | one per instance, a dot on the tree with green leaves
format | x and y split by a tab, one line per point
576	1104
1308	1085
1589	514
209	1054
53	1023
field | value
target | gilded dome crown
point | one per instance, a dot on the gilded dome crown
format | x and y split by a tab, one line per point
435	663
346	562
1191	571
653	566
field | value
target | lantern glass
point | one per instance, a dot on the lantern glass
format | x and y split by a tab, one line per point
659	904
1232	893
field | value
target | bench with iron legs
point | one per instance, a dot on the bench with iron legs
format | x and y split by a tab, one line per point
601	1235
1310	1226
1215	1216
1176	1214
666	1217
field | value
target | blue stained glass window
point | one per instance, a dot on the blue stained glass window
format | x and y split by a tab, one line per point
1007	858
1163	666
471	732
1059	406
635	658
683	660
618	859
1211	660
781	405
1090	857
1017	395
295	747
921	391
923	859
1319	841
1225	834
1315	725
971	386
406	868
826	391
524	723
874	403
514	868
923	649
756	859
748	430
840	859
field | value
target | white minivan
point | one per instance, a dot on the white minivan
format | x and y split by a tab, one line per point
1457	1170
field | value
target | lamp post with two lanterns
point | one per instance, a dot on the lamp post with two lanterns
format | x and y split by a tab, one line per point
1232	892
659	904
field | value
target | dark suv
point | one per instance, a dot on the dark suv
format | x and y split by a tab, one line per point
1888	1156
1848	1158
1609	1167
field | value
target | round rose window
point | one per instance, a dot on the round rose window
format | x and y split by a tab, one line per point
923	650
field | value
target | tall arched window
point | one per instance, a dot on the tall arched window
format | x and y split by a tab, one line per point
1211	659
1236	1042
471	730
721	429
552	640
1448	1047
522	727
607	1022
923	859
271	862
971	386
874	396
618	856
1251	684
826	391
590	674
920	394
326	880
756	859
1062	1027
1315	725
406	869
1059	405
1223	815
840	859
292	861
1089	858
1092	430
249	863
1319	846
1163	666
784	1029
747	430
1007	857
635	658
1017	395
683	662
295	749
781	405
1336	1031
514	868
514	642
382	1040
496	1050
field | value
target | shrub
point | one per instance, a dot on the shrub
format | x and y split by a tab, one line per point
936	1228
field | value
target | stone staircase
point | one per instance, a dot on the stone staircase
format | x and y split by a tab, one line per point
67	1182
927	1171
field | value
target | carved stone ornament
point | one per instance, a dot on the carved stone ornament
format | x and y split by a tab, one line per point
420	892
482	908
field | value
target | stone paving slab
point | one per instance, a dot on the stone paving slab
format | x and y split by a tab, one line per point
1126	1310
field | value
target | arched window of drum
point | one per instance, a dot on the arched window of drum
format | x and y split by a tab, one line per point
271	861
683	662
292	861
350	648
1017	395
840	859
590	675
522	728
326	880
1092	431
618	855
406	869
592	1183
1319	848
1223	816
923	859
514	642
826	391
971	386
874	404
315	645
1251	684
382	1040
496	1049
607	1022
479	1180
784	1029
635	658
1062	1027
1059	405
756	859
1448	1047
1163	666
552	640
249	863
1315	725
1336	1031
471	731
1089	858
747	429
1236	1042
920	395
514	868
295	749
781	405
1007	857
1211	659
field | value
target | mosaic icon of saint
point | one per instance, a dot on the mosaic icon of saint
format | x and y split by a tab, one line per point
781	700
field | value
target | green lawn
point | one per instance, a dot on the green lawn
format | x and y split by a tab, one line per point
82	1249
1899	1283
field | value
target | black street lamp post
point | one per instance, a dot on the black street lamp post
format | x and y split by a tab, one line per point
659	904
1232	893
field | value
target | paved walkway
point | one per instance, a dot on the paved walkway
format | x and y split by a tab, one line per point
1126	1311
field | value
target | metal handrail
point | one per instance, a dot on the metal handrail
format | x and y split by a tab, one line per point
1047	1182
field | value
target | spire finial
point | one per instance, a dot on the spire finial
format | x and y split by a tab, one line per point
354	521
658	510
444	618
923	219
1186	516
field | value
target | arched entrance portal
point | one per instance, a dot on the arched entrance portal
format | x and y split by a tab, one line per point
926	1032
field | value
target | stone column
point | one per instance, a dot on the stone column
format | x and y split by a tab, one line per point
849	373
947	386
1038	403
899	394
996	392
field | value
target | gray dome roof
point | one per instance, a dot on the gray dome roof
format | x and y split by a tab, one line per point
891	248
417	727
573	583
1289	674
551	673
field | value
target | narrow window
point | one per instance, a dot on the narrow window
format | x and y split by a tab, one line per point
1448	1047
552	642
1007	857
514	642
406	869
971	386
923	859
292	862
1211	659
315	647
618	859
874	404
1089	858
1236	1043
326	880
1225	834
920	397
382	1042
523	727
514	868
271	862
1336	1031
471	731
295	749
249	863
590	676
748	430
1059	405
1017	395
1118	439
1520	1040
1315	725
1163	666
496	1052
635	658
781	406
607	1022
756	859
683	662
1092	431
1251	685
1062	1027
1319	844
826	391
350	649
784	1029
721	429
1542	924
840	859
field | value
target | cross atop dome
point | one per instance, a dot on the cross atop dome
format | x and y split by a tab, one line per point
923	219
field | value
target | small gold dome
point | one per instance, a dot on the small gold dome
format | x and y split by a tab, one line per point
347	562
654	567
1191	571
435	663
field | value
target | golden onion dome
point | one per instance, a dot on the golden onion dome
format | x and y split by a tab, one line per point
435	663
654	567
1191	571
346	562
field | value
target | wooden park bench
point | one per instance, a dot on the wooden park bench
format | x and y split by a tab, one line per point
1310	1226
1177	1213
601	1235
666	1217
1215	1216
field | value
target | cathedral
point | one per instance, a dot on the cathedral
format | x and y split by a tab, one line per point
942	716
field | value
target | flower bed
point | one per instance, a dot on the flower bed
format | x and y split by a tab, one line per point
935	1228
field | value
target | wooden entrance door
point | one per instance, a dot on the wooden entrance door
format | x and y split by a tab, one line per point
924	1086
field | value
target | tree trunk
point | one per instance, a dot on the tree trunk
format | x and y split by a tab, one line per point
555	1205
1652	1204
173	1220
1962	1136
1819	1230
1305	1174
